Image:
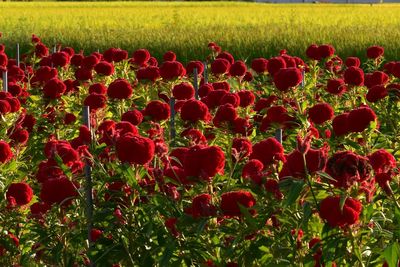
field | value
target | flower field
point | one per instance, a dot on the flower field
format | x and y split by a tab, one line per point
120	159
247	30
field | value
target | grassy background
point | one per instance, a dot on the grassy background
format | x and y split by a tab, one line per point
247	30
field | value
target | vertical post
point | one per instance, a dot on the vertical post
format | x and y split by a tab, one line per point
172	120
55	49
196	84
278	135
17	57
88	176
205	72
303	78
5	81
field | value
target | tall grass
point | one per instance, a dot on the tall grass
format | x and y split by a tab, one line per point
246	29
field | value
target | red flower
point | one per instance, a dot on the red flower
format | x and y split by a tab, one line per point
58	190
238	69
194	64
119	89
95	101
204	162
340	124
320	113
336	86
60	59
54	88
19	136
98	88
253	170
22	193
194	110
104	68
275	64
141	56
220	66
41	50
226	55
268	151
375	78
133	116
83	74
170	70
183	91
353	62
205	89
157	110
230	98
259	65
359	119
241	148
377	93
144	149
286	78
247	98
5	107
313	52
169	56
382	161
95	234
375	52
348	168
151	73
225	113
202	206
230	202
5	152
326	51
354	76
330	211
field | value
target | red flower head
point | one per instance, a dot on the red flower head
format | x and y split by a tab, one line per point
247	98
275	64
354	76
220	66
225	113
151	73
183	91
140	57
95	101
97	88
348	168
54	88
133	116
377	93
226	55
376	78
238	69
202	206
83	74
157	110
144	149
340	124
205	89
353	62
320	113
374	52
119	89
169	56
58	190
313	52
259	65
41	50
382	161
330	211
221	86
230	202
194	110
104	68
21	193
171	70
360	118
194	64
5	152
241	148
95	234
204	162
60	59
326	51
253	170
268	151
286	78
336	86
230	98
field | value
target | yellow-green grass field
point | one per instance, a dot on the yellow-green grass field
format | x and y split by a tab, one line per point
245	29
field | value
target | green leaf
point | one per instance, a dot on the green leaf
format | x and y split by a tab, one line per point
343	198
294	191
326	176
392	253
